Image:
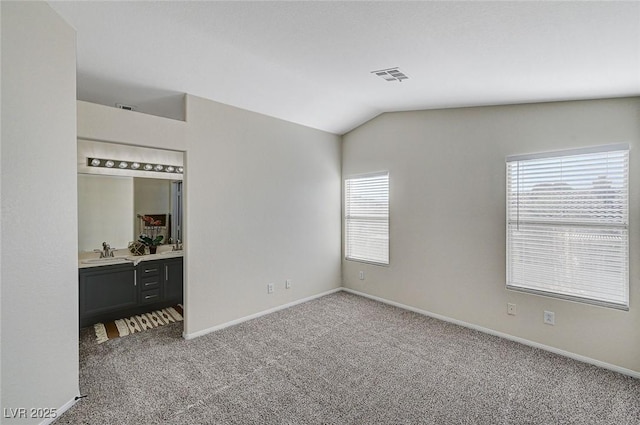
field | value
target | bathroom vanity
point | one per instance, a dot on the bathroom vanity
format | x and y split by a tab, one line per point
119	185
122	287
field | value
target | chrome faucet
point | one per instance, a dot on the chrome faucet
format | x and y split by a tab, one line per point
177	246
106	251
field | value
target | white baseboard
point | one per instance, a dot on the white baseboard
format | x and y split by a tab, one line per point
554	350
60	411
256	315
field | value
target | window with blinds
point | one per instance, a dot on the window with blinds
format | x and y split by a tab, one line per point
567	224
366	220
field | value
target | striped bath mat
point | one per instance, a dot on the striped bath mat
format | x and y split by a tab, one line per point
140	323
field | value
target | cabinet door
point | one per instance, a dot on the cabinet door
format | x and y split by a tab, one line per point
173	280
107	288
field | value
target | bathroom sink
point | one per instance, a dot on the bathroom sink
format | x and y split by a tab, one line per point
104	260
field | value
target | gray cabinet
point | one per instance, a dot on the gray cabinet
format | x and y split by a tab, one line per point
118	291
172	285
106	289
150	278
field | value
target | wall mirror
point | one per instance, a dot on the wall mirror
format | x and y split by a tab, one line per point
110	198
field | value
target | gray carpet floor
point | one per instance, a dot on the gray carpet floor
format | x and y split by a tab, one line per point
341	359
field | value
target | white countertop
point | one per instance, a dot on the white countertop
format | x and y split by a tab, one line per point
123	256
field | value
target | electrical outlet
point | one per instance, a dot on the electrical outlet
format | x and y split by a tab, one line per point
511	309
549	318
270	288
287	284
361	275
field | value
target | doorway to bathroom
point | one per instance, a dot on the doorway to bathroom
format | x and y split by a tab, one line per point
130	239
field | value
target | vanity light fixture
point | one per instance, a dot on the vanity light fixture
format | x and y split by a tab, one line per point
136	166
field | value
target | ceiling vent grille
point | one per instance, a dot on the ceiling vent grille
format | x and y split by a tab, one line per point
125	107
391	74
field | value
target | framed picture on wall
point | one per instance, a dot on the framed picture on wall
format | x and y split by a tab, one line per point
164	228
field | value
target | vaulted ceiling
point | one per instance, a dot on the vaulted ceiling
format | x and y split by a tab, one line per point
311	62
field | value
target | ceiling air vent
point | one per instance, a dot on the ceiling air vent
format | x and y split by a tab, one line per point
391	74
126	107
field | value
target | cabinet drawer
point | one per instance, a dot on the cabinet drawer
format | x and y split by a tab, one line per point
149	282
152	296
149	270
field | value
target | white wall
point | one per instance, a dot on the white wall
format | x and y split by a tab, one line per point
263	206
1	137
102	123
105	211
447	203
39	213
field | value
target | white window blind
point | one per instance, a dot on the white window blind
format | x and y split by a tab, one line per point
567	224
366	221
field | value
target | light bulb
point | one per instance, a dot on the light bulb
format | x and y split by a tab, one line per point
135	165
148	167
159	167
123	164
180	169
109	163
170	169
95	162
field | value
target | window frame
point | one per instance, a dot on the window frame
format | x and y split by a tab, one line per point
347	217
581	225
